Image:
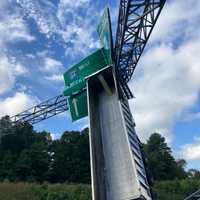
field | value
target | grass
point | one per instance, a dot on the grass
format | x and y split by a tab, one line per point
32	191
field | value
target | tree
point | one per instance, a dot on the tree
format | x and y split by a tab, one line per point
70	158
24	153
194	174
160	160
40	160
22	137
7	162
23	168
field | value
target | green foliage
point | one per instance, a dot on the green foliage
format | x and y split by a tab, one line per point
176	190
24	191
71	158
17	191
26	155
161	163
57	196
29	156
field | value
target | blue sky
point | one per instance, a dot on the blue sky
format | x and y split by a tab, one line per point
41	39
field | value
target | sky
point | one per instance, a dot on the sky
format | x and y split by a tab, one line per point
41	39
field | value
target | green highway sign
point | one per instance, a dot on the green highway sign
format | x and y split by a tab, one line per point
75	76
105	34
78	106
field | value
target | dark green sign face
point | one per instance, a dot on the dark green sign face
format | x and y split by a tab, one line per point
78	106
75	76
105	34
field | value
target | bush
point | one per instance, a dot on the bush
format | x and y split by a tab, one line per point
175	190
57	196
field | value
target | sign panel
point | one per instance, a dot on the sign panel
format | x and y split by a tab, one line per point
75	76
78	106
105	34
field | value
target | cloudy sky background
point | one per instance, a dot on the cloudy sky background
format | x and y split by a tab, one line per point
41	39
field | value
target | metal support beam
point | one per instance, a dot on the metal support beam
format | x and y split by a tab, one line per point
42	111
136	21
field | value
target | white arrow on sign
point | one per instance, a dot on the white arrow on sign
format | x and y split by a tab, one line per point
74	101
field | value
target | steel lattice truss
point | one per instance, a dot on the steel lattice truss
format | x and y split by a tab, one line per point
42	111
194	196
135	23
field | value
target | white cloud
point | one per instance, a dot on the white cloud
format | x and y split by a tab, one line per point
191	116
78	29
74	27
17	103
69	3
167	80
66	12
168	83
55	78
80	39
43	12
177	20
16	29
19	69
13	28
6	77
51	65
8	71
31	56
190	151
12	25
53	69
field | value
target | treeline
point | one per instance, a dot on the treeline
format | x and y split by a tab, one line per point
169	179
27	155
30	156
